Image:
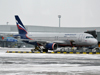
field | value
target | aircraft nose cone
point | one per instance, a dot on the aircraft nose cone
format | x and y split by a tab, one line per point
95	42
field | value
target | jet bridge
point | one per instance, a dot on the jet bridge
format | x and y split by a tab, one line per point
92	32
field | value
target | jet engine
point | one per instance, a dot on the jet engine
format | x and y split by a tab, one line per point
51	46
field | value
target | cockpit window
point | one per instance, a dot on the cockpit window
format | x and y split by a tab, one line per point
89	37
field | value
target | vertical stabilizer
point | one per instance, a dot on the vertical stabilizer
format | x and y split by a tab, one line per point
20	26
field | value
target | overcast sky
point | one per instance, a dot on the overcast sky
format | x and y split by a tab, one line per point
74	13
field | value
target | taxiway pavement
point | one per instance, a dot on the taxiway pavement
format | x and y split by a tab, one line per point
48	64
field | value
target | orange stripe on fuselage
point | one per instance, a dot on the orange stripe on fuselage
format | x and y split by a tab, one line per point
75	45
28	37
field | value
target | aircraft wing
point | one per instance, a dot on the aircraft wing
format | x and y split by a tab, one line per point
68	42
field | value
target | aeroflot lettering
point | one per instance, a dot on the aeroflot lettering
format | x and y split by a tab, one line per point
70	34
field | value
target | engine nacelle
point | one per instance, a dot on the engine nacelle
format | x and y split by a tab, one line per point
51	46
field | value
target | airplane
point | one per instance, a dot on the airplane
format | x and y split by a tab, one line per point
51	41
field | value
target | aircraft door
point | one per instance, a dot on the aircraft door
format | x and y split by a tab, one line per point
80	38
56	37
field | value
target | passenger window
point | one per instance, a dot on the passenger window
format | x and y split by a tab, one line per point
89	37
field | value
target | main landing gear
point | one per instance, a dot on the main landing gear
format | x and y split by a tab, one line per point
40	49
34	50
45	50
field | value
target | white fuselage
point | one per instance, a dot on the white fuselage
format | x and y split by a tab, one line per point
80	39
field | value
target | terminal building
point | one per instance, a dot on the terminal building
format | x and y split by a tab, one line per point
12	29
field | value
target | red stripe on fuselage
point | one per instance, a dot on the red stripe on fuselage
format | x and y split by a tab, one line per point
74	46
39	44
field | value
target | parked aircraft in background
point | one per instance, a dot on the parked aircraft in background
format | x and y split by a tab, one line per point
51	41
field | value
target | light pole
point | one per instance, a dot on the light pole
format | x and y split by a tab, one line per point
59	16
7	23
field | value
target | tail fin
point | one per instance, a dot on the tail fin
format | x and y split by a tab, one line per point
20	26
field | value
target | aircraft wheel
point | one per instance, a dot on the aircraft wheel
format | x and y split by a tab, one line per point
32	50
45	50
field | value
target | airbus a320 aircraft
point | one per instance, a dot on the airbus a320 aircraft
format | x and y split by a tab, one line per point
51	41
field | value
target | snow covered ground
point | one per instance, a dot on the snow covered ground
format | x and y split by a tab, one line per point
48	64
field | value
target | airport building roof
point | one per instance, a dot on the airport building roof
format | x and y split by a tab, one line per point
30	28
